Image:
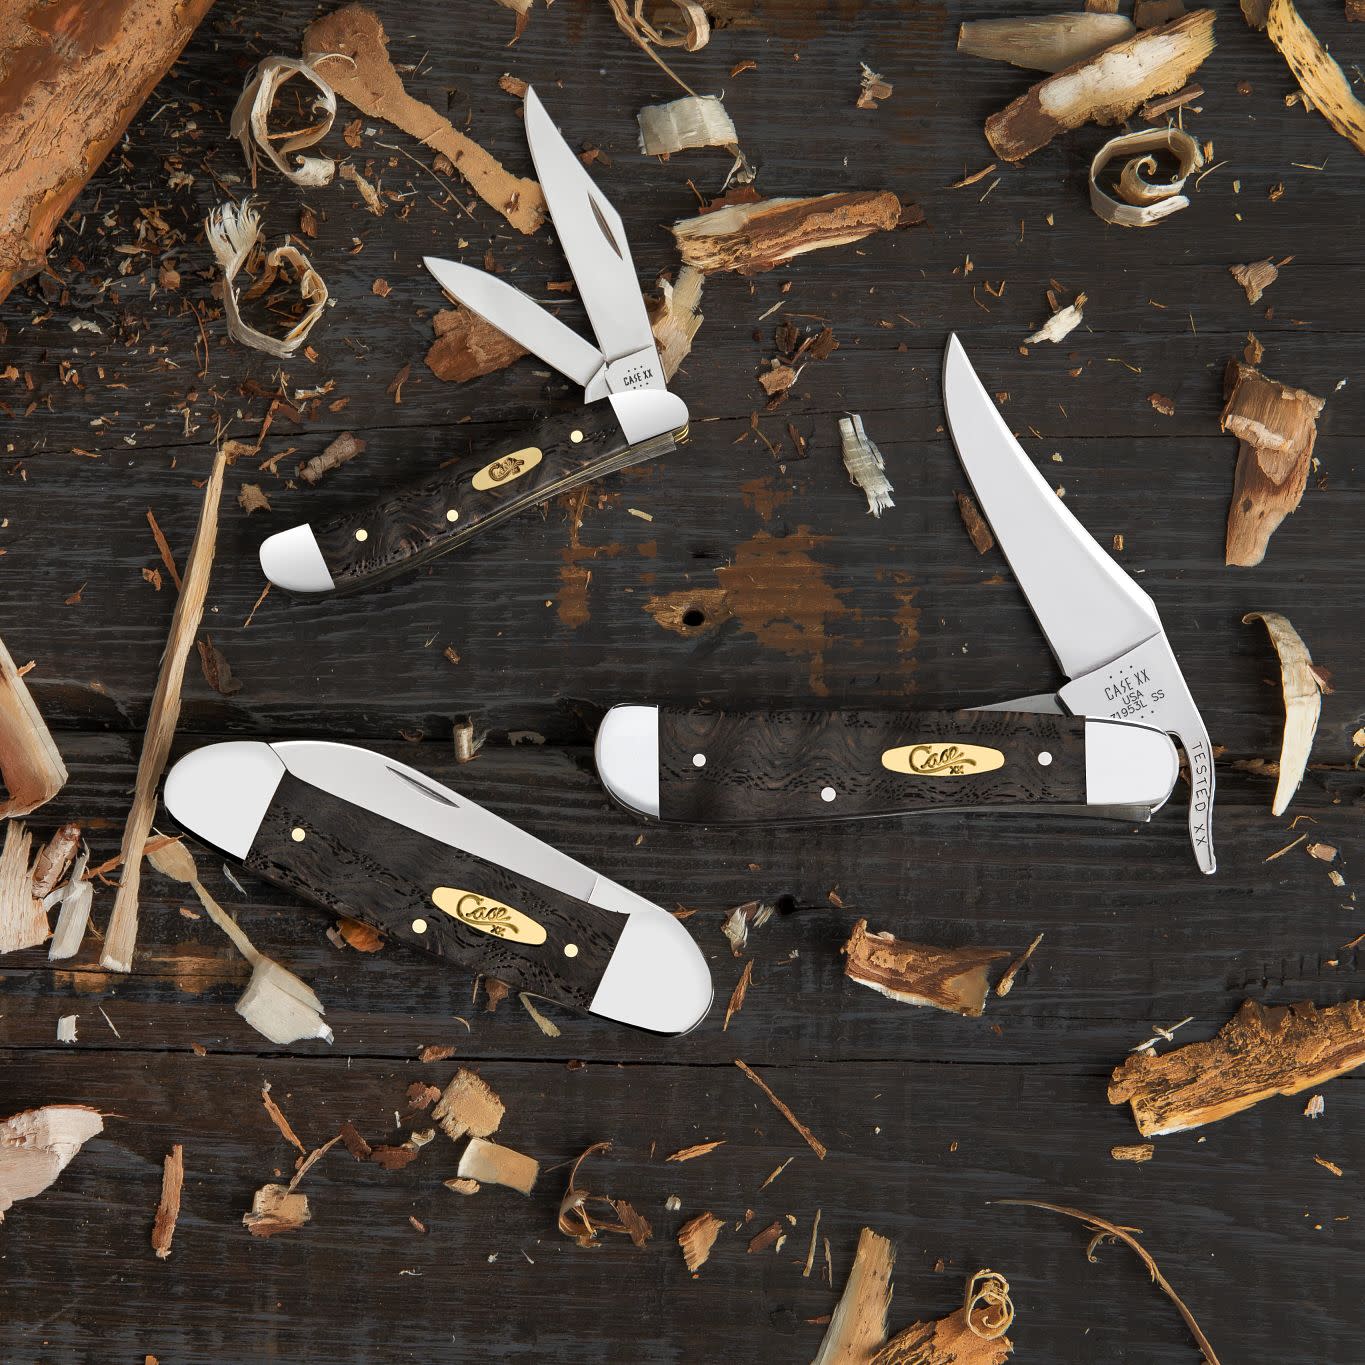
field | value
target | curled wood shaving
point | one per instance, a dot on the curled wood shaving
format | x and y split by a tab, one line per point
1105	88
1046	42
973	1335
1104	1230
693	121
250	123
1061	324
274	1209
23	921
168	1209
950	979
865	464
578	1222
814	1142
491	1164
351	48
37	1145
1302	691
31	769
688	26
1318	75
162	716
696	1237
233	232
857	1327
1147	203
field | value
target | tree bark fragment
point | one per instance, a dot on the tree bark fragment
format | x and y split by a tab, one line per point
950	979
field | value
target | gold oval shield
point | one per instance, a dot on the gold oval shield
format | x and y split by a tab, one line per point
942	760
487	916
506	468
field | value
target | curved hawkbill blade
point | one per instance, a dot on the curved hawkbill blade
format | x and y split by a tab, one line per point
1102	627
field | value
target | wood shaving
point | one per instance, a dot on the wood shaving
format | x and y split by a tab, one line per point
491	1164
696	1150
1105	88
873	87
366	191
168	1208
693	121
1048	42
1255	278
1322	81
952	979
233	232
31	769
547	1026
275	1209
1006	983
250	123
696	1237
577	1219
77	897
1061	324
674	317
814	1142
66	1028
1147	203
1261	1051
1133	1151
738	994
37	1145
23	920
857	1327
865	464
771	1236
278	1119
1302	693
973	1335
349	46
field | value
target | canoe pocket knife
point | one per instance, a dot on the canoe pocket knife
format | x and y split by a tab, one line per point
1100	745
640	419
377	841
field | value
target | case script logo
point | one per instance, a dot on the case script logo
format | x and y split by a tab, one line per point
942	760
507	467
487	915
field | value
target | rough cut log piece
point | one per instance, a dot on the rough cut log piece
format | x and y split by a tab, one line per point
1261	1051
72	75
1105	89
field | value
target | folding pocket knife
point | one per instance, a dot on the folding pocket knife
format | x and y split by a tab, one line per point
377	841
640	419
1100	745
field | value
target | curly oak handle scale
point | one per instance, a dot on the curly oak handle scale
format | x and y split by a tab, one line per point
439	514
429	895
788	767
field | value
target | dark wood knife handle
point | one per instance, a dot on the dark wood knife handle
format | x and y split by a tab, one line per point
790	767
428	895
404	529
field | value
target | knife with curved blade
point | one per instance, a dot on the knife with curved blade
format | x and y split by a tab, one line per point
378	841
638	420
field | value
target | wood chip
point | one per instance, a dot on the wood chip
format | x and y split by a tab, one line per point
37	1145
696	1237
978	529
696	1150
873	87
66	1028
1261	1051
338	452
491	1164
467	347
693	121
364	938
737	995
1132	1151
579	1220
168	1209
1006	983
814	1142
865	465
674	317
1061	324
857	1327
250	123
757	234
1105	88
23	920
1255	278
950	979
1276	429
468	1106
275	1209
31	769
1048	42
121	936
278	1119
251	497
74	916
1302	691
1319	77
349	48
771	1236
1145	202
1155	110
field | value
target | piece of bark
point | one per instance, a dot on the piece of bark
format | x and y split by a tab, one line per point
674	317
492	1164
812	1141
37	1145
1302	689
1276	427
468	1107
161	720
168	1210
74	76
737	996
1255	277
338	452
1048	42
1104	89
275	1208
467	347
23	921
216	669
857	1328
54	858
74	916
350	50
978	530
1133	1151
693	121
1155	110
577	1219
31	769
771	1236
696	1237
1318	75
952	979
354	1142
1261	1051
753	236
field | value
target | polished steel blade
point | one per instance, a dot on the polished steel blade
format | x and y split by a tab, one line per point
520	317
594	240
1089	609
